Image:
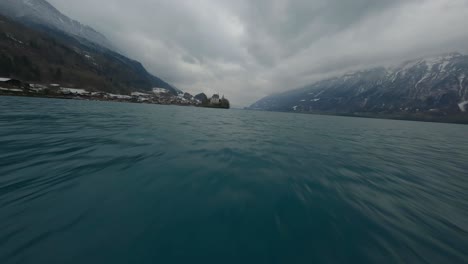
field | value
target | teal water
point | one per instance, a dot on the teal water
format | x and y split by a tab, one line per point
100	182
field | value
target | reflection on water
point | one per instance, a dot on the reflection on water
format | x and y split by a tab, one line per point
93	182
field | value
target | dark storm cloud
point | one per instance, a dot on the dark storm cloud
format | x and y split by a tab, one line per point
249	49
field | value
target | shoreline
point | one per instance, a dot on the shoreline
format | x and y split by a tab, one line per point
124	99
459	120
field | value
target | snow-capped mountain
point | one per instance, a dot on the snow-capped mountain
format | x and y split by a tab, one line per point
435	85
40	12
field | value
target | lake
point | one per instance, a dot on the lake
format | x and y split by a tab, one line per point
103	182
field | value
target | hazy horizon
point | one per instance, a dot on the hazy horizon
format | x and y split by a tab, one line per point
247	50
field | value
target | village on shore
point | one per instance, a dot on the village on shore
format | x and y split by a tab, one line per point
9	86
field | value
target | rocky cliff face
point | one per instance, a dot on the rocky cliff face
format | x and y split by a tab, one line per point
430	85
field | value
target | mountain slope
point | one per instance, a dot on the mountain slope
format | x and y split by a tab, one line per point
437	86
33	56
40	12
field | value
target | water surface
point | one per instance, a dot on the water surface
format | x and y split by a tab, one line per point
102	182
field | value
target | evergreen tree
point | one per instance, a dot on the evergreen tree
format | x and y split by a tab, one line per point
6	66
58	74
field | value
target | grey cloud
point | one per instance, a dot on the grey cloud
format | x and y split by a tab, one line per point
189	59
249	49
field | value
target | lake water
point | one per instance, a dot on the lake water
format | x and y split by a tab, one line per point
101	182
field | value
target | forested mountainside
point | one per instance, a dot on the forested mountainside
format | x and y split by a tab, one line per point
48	55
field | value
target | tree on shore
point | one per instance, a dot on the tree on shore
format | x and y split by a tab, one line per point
58	74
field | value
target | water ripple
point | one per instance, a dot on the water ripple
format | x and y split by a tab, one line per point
96	182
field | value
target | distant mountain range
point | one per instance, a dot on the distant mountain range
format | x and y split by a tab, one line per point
434	89
39	44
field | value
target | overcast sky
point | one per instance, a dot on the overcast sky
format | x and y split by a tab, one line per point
247	49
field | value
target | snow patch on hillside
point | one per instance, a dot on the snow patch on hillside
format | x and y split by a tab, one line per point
427	75
460	83
14	39
320	93
159	90
443	66
463	105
